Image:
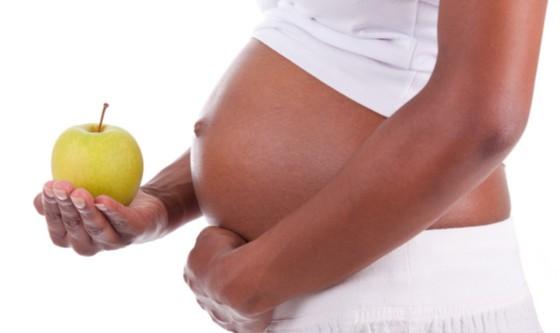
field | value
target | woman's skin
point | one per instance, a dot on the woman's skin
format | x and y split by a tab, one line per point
283	164
404	176
257	156
89	225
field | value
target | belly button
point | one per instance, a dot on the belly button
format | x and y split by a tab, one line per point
198	128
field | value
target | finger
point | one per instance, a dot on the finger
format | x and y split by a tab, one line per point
38	203
95	223
218	318
57	232
71	219
117	215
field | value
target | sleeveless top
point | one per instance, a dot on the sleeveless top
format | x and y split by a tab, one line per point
379	53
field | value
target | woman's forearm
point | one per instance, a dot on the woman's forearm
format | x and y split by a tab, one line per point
437	147
404	177
173	186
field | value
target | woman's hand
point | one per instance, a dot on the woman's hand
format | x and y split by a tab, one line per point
88	225
213	271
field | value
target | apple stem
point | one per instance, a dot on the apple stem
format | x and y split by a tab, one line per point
105	106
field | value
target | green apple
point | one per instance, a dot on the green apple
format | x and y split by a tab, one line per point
103	159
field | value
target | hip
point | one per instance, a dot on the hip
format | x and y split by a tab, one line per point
442	281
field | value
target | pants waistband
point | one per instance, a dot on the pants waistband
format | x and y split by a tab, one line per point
443	270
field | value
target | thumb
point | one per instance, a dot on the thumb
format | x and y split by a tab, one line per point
219	238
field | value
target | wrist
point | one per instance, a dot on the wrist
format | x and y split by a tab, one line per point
172	211
155	215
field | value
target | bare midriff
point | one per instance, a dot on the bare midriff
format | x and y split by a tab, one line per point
271	136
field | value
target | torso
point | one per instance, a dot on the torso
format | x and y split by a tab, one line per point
271	136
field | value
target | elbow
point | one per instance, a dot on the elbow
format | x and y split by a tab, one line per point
499	127
491	110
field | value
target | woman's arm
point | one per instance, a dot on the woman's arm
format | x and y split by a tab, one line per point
174	187
436	148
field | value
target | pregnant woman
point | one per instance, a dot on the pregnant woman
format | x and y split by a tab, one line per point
350	162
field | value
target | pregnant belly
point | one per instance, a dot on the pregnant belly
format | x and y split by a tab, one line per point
271	136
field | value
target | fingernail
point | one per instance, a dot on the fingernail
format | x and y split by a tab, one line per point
61	195
101	207
78	202
49	192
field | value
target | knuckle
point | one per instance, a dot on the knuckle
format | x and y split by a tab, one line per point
191	284
117	221
49	201
200	303
93	230
53	215
71	223
188	278
220	318
188	272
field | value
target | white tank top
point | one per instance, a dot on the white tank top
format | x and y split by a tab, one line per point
379	53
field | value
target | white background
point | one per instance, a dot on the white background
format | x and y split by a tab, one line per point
156	62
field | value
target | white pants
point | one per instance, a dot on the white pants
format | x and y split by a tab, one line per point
456	280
